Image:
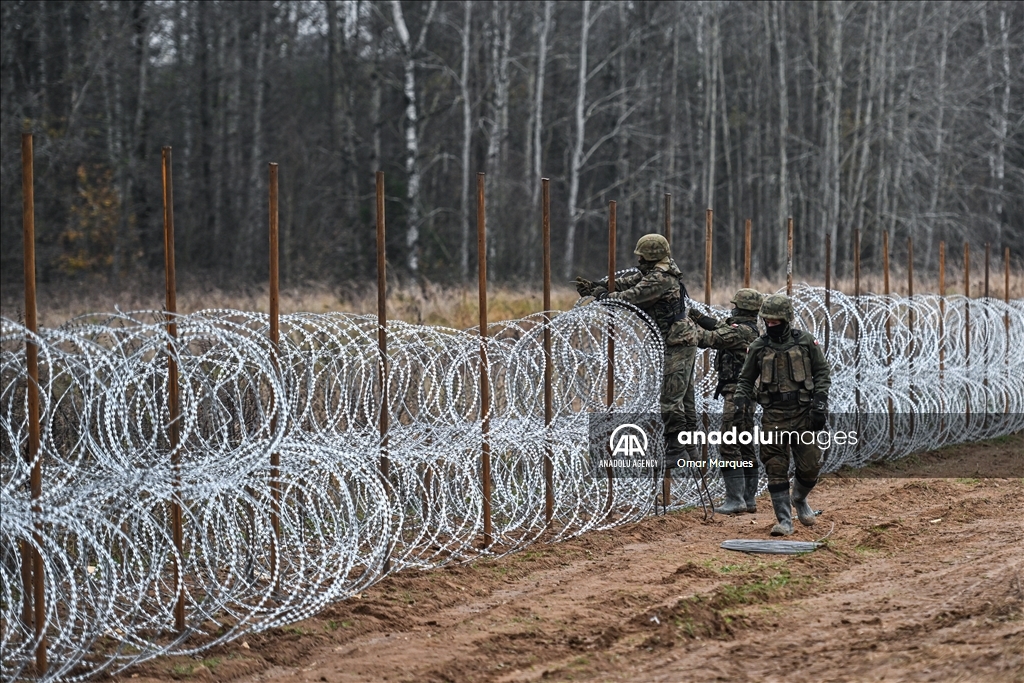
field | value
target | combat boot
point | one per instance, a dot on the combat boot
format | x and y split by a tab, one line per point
750	481
673	451
803	511
783	512
733	502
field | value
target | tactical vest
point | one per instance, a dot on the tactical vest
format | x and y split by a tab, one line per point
666	312
729	362
786	375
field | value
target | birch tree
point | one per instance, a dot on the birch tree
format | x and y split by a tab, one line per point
779	30
580	130
467	140
537	112
410	50
831	188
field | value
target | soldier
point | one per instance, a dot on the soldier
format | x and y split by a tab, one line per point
786	372
730	338
658	291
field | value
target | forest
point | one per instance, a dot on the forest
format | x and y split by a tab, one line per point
904	118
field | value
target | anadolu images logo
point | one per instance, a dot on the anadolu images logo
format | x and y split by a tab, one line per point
625	441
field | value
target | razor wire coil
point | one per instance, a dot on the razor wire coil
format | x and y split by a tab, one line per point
102	523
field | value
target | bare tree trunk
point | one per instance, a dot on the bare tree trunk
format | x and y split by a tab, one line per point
783	206
1002	126
711	109
256	175
238	230
622	142
467	141
939	125
111	77
534	133
903	148
538	105
136	191
576	164
376	92
702	99
930	221
351	144
219	173
673	104
694	132
342	128
835	92
44	92
875	57
497	139
184	48
732	216
334	70
886	99
993	117
412	143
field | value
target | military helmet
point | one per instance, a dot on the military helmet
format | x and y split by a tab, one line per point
652	247
777	307
747	299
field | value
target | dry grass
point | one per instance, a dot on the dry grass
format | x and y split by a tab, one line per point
428	304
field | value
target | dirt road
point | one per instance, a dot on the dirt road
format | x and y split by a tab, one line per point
921	579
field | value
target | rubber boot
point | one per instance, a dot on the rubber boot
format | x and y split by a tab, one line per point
783	512
750	481
803	511
733	502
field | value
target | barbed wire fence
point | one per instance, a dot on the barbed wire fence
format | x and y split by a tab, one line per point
102	524
170	482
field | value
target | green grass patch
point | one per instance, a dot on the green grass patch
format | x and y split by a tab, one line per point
761	590
333	625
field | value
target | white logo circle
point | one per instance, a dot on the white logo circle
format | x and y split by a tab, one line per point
628	444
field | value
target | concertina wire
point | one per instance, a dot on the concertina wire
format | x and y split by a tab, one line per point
102	524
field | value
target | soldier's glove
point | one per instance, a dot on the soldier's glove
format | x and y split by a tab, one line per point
584	286
600	293
705	321
819	411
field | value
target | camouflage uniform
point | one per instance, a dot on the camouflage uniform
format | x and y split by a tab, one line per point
790	378
660	296
656	289
730	338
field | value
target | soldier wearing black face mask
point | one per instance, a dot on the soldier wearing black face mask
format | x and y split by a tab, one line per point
786	372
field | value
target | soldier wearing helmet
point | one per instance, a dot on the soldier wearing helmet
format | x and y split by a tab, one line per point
657	290
730	338
786	372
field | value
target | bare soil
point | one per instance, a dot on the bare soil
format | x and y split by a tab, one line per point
921	579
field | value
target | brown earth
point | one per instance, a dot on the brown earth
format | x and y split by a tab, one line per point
921	579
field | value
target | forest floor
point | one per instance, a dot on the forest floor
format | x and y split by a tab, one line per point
921	579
